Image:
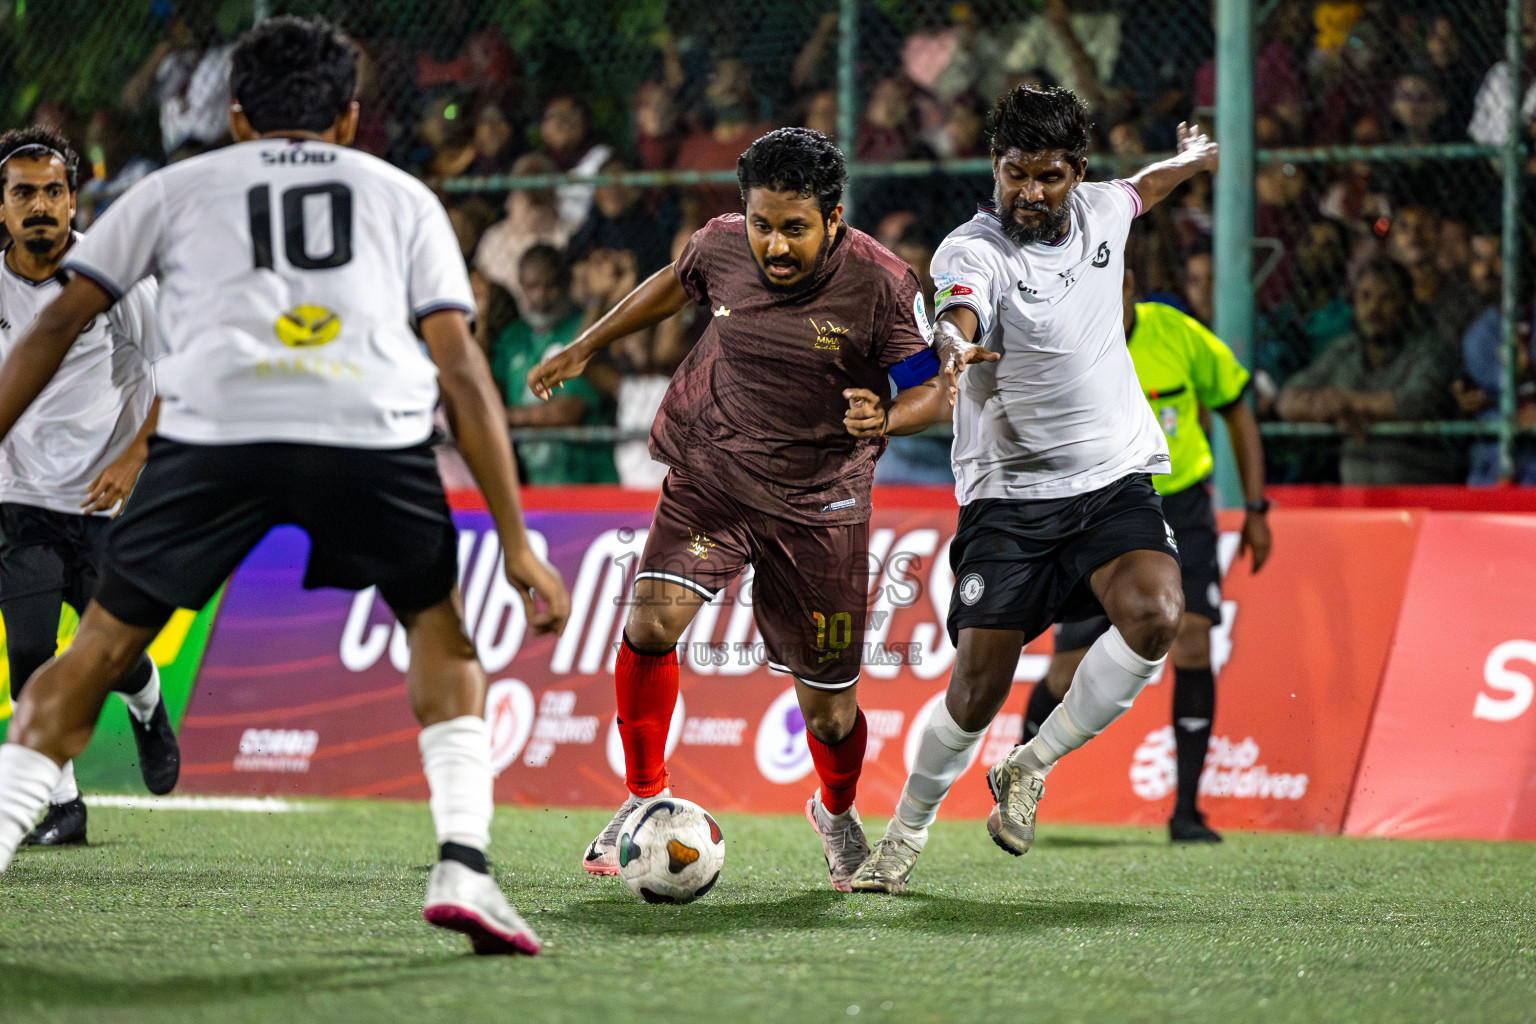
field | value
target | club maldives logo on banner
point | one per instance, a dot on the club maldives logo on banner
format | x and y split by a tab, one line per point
285	662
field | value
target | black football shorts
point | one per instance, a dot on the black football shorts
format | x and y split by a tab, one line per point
374	518
1024	564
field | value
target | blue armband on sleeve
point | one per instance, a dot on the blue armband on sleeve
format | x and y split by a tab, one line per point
915	369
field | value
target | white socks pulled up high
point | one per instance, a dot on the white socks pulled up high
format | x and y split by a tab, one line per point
944	751
1107	681
27	778
456	756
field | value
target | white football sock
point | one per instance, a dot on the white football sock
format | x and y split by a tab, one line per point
918	837
66	790
142	705
26	779
942	754
1108	679
456	756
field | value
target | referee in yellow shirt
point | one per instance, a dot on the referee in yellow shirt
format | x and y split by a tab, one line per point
1181	366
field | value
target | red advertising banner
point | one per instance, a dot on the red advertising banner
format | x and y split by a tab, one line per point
1452	749
303	692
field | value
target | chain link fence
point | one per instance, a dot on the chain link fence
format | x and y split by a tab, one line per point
606	132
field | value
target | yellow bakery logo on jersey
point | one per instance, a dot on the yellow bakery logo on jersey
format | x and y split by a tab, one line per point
829	337
307	326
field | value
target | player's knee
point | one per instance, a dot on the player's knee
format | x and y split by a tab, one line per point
831	724
1150	620
648	635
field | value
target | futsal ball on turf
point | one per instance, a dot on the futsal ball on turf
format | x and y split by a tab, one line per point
670	851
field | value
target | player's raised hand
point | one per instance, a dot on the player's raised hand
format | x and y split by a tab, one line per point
867	416
1200	147
536	580
552	371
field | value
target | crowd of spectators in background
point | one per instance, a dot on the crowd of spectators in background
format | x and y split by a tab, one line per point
1378	294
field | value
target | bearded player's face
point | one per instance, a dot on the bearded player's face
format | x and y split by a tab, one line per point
1031	193
788	236
36	203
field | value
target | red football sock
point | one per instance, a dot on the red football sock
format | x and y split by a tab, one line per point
647	691
838	766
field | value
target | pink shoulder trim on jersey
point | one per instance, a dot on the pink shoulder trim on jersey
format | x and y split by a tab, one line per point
1135	196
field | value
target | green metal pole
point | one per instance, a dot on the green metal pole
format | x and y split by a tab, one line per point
1233	244
848	92
1511	240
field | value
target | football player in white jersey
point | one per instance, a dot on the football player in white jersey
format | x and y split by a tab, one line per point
1054	451
294	390
70	461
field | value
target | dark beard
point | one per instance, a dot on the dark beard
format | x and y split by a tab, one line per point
804	282
1050	227
40	246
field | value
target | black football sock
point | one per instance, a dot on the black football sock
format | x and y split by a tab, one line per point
136	678
467	855
1194	706
1039	708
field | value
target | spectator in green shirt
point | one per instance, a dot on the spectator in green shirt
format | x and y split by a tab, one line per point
1183	368
1390	367
550	320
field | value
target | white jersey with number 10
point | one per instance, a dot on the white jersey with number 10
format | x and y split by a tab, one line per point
290	275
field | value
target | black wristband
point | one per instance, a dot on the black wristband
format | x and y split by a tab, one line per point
1259	507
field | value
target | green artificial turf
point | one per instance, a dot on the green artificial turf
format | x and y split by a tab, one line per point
314	916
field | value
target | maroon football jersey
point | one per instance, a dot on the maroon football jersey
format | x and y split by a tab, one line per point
757	407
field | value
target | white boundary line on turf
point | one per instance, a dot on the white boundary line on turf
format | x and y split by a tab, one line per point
249	804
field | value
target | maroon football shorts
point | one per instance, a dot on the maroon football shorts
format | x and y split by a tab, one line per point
810	587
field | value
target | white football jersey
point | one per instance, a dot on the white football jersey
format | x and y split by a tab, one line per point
1061	413
290	275
89	413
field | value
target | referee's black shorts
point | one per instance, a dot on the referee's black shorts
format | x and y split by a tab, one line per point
1192	517
374	518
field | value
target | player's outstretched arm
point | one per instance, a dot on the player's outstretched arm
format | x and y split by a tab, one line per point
1196	153
953	339
913	410
475	414
659	296
1248	450
40	350
919	407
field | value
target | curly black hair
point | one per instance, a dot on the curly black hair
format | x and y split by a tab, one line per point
1034	120
293	74
37	135
797	160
